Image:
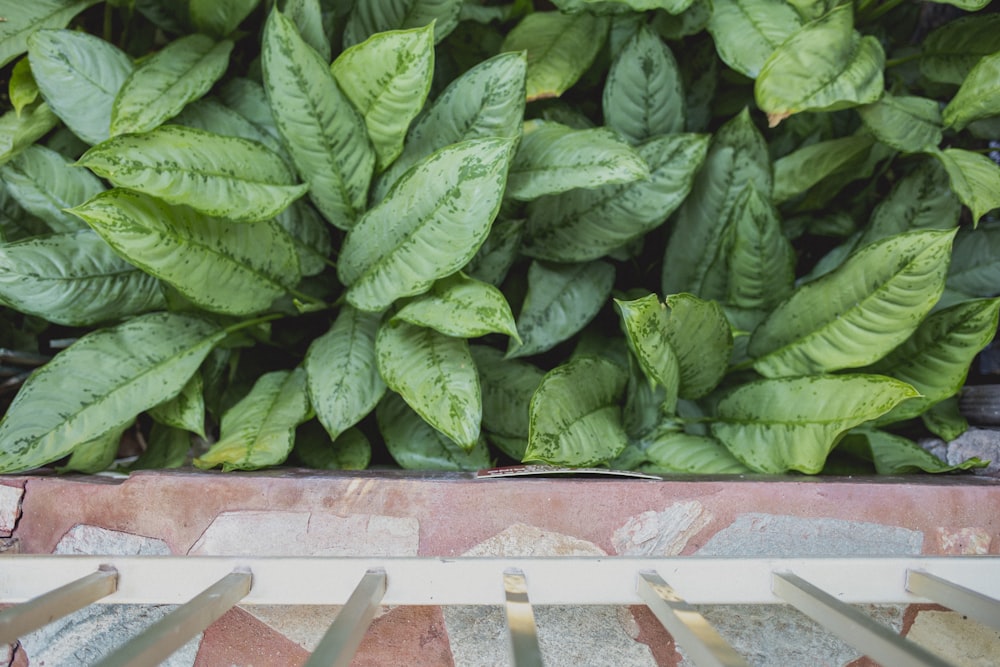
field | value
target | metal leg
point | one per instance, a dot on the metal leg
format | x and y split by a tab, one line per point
35	613
980	607
341	641
703	644
525	651
851	625
181	625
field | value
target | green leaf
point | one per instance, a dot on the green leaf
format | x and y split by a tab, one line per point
945	420
936	358
249	99
429	226
486	101
645	405
859	312
747	32
975	179
100	383
219	18
952	50
643	96
79	75
967	5
575	415
675	452
44	184
737	154
919	200
979	95
226	177
896	455
415	445
94	456
760	261
74	279
461	306
554	158
350	451
497	254
507	386
826	65
777	425
20	130
310	235
975	262
162	84
325	134
691	21
435	375
259	431
646	324
213	116
387	78
22	19
22	88
307	15
368	18
344	383
581	225
560	48
561	300
700	335
797	172
166	447
186	410
221	266
906	123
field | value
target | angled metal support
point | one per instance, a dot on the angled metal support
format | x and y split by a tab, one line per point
341	641
181	625
525	651
973	604
685	624
852	625
42	610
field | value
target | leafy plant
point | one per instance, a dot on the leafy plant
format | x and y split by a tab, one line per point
669	235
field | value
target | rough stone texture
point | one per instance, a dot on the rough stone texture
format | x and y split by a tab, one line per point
964	541
10	508
308	534
663	533
775	535
963	642
86	636
303	624
97	541
779	635
239	640
411	636
983	443
596	636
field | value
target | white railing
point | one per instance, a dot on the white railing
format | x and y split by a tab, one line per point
45	588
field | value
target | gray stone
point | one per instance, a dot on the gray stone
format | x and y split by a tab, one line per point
308	534
773	535
663	533
10	508
778	635
982	443
96	631
89	635
97	541
958	639
595	636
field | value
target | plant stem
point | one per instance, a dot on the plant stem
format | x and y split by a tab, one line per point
306	298
879	11
246	324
